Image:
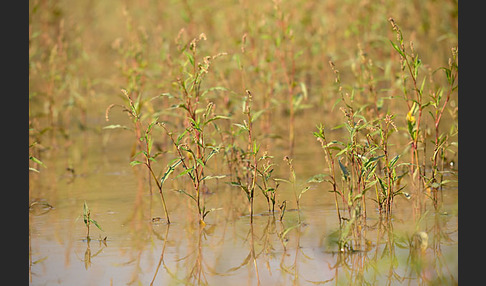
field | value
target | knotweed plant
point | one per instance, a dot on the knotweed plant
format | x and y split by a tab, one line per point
192	150
88	220
293	182
248	181
268	185
149	158
441	142
410	66
144	141
359	160
417	103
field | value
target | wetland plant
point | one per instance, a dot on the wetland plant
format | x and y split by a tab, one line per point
417	103
88	220
249	158
192	150
149	158
268	191
247	166
365	163
292	180
410	65
144	141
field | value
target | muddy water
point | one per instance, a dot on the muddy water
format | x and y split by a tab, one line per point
140	249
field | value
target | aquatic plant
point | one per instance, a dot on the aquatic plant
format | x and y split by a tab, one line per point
249	180
265	172
441	143
411	66
144	141
191	148
149	158
359	159
35	160
293	182
88	220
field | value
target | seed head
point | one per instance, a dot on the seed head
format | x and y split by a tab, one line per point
388	120
108	111
179	35
243	42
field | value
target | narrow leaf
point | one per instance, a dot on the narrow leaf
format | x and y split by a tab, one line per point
185	172
170	169
96	223
394	161
344	170
319	178
36	160
187	194
116	126
214	177
397	48
216	118
135	162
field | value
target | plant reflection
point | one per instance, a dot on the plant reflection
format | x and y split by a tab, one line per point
161	260
197	274
87	253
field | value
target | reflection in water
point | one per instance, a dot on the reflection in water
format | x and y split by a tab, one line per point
88	255
161	260
228	250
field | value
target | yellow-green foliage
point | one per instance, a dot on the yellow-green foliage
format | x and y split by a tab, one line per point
302	61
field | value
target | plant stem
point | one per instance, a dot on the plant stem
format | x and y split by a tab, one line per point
159	186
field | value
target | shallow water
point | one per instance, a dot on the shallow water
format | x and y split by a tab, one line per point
140	249
306	59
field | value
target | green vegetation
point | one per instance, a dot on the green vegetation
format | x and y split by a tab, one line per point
215	92
88	220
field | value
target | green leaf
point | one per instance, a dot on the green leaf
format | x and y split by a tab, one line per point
216	118
170	169
235	184
357	197
303	87
285	231
241	126
195	124
397	48
394	161
85	213
282	180
213	88
422	86
205	212
135	162
37	161
189	57
256	115
256	147
200	162
372	159
417	63
319	178
185	172
303	191
383	186
214	177
211	154
116	126
179	138
187	194
344	170
96	223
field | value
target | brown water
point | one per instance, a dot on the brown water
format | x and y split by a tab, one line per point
81	53
229	250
